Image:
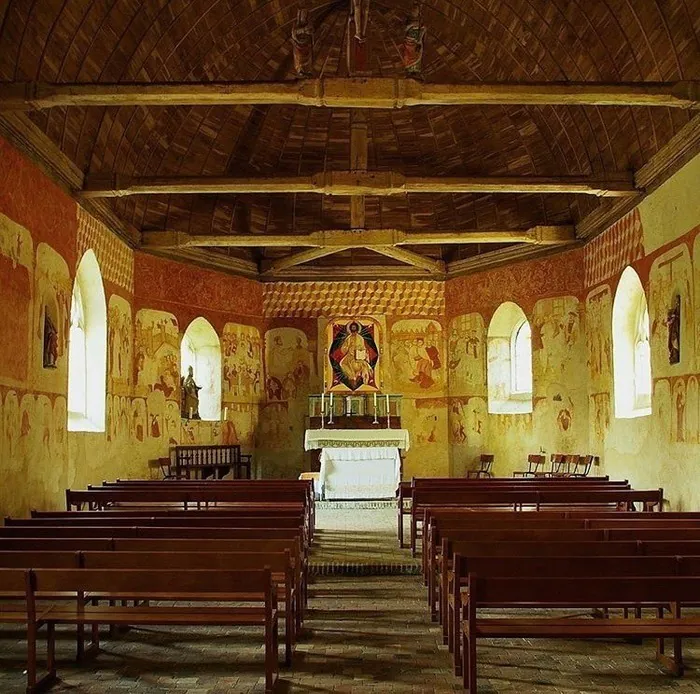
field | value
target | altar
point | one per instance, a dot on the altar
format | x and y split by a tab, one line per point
358	463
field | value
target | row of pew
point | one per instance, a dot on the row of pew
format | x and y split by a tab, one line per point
177	552
595	545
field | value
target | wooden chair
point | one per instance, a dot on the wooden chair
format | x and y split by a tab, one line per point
535	463
583	465
558	463
485	465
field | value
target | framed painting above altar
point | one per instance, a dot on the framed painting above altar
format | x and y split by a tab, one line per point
353	356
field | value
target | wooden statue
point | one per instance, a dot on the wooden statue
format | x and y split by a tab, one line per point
673	323
414	41
360	18
190	396
50	343
303	44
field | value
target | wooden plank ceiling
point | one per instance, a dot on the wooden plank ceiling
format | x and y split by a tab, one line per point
527	125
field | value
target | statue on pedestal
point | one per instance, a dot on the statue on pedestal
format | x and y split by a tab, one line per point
190	396
414	41
303	45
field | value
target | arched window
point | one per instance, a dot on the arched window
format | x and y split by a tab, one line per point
201	350
631	350
87	349
521	359
509	348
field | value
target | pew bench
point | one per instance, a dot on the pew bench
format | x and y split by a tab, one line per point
218	586
485	592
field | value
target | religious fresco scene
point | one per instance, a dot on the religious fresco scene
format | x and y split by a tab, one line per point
324	327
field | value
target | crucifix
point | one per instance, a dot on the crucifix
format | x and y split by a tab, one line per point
357	37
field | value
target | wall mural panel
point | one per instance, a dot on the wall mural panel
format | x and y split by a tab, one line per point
467	355
353	358
156	354
418	357
120	339
241	347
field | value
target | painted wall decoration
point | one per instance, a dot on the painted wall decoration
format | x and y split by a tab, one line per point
120	339
353	355
386	297
417	357
288	364
467	355
241	347
16	275
156	354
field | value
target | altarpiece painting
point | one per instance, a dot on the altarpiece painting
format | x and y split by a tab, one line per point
353	355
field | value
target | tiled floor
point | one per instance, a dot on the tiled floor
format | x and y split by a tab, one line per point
363	635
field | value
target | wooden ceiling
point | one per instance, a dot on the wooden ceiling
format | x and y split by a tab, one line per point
502	132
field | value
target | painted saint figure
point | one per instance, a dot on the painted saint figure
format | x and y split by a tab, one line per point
50	343
414	42
190	396
353	355
303	45
673	323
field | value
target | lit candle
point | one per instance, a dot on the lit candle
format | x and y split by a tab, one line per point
331	402
375	403
323	404
225	413
387	410
190	413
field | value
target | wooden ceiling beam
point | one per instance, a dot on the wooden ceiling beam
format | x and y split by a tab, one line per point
360	238
431	265
360	183
349	92
270	267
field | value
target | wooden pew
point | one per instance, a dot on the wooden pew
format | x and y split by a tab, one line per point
219	586
537	499
575	593
552	567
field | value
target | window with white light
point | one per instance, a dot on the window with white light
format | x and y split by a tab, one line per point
521	360
87	349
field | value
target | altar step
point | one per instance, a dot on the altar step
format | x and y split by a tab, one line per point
364	569
350	505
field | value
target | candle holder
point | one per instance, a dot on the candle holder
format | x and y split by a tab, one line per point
330	409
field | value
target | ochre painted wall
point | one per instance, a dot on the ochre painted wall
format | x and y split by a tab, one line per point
274	341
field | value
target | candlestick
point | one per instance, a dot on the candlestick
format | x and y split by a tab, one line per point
323	409
376	421
330	418
190	413
388	415
225	413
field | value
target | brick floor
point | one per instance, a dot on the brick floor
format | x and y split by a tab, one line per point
368	634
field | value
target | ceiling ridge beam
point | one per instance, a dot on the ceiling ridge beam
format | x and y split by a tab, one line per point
349	92
362	238
360	183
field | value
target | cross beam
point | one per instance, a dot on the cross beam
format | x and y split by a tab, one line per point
359	183
349	92
342	239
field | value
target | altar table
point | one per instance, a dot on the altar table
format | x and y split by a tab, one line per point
358	464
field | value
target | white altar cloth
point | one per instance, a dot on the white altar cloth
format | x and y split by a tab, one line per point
359	473
356	438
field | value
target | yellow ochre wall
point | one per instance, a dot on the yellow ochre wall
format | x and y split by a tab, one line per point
273	340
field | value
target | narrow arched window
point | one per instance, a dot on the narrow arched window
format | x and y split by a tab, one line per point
87	349
200	350
521	359
509	348
631	350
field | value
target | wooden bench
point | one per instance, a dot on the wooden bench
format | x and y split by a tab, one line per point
575	593
552	567
218	586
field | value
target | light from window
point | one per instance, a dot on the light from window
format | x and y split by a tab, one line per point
522	359
642	361
77	357
201	349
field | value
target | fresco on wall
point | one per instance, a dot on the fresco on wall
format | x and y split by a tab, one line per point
467	355
666	419
16	274
599	339
599	422
353	355
678	421
671	274
288	363
241	347
427	422
467	421
693	411
240	425
417	357
11	429
53	290
120	338
156	354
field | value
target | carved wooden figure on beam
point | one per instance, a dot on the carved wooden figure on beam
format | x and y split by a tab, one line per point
357	36
673	323
303	44
414	42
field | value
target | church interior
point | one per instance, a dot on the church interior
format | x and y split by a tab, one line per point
277	276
